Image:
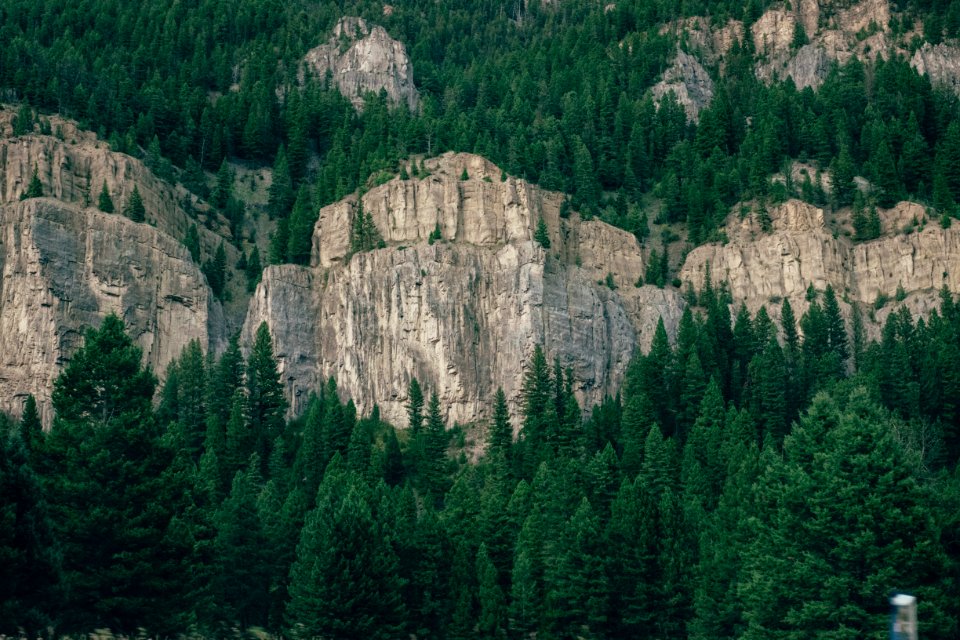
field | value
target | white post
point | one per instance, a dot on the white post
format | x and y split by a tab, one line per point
903	618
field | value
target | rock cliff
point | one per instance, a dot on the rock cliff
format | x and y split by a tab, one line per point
690	84
462	314
941	63
802	249
802	40
65	265
360	59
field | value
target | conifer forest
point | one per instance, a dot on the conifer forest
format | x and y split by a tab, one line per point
758	475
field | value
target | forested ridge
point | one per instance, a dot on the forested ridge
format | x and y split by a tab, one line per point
557	94
746	483
756	477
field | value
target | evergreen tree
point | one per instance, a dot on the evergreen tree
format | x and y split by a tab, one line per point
300	230
192	242
29	554
105	203
542	235
492	617
115	500
839	452
223	189
500	439
134	209
281	194
253	270
242	552
266	404
34	188
344	582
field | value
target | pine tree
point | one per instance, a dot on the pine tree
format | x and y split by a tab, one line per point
105	203
344	582
281	194
242	552
29	571
434	467
31	429
192	242
542	235
134	209
492	619
500	440
300	230
34	188
253	270
114	497
223	189
266	404
841	450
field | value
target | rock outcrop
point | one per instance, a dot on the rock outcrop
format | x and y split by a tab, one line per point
690	84
802	250
361	58
836	33
941	63
65	265
462	314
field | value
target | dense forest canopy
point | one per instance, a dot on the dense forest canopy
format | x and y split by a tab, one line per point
746	483
557	93
759	477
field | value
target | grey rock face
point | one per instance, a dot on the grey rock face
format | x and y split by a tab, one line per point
941	63
65	265
764	269
689	82
462	315
361	59
64	268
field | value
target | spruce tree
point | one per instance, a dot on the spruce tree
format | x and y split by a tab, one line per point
542	235
134	209
344	582
500	439
114	498
300	230
105	202
34	188
266	404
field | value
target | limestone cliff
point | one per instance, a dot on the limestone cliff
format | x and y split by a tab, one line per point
690	84
802	40
361	58
766	268
941	63
462	314
65	265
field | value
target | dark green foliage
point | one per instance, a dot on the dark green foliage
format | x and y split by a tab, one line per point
541	234
364	235
300	229
266	404
192	242
29	556
105	202
113	493
344	582
253	270
134	208
649	514
216	271
653	514
35	188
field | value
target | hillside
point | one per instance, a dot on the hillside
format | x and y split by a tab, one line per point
539	320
